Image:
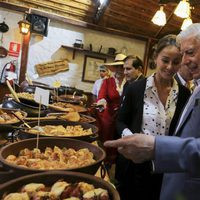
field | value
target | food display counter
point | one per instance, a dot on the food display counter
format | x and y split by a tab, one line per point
59	119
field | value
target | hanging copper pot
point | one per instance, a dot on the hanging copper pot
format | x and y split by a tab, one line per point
3	52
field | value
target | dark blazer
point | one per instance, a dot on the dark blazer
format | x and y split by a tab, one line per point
182	174
137	177
178	79
130	82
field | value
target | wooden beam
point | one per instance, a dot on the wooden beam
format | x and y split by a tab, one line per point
24	56
192	2
80	5
148	4
13	7
119	19
146	55
168	1
168	19
89	25
74	22
57	8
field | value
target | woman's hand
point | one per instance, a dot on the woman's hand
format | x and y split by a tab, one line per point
100	105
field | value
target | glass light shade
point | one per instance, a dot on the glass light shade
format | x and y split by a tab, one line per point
24	26
159	18
102	1
187	22
183	9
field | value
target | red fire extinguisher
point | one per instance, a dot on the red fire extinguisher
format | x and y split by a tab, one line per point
9	72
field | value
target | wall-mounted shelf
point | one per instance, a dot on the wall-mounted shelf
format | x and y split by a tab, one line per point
88	52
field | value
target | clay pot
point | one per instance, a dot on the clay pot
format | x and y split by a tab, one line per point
30	107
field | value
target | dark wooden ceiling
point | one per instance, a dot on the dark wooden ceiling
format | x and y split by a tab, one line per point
131	18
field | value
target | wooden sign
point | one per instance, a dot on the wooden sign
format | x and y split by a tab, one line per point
51	68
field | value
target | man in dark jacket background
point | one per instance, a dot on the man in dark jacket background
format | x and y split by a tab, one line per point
133	70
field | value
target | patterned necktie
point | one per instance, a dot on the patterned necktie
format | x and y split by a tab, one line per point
190	85
193	85
187	84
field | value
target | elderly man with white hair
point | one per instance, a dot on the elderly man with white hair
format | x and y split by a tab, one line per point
178	156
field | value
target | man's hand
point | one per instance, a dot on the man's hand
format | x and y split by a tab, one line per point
137	147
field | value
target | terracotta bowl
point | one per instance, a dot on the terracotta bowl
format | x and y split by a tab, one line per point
15	148
51	177
28	106
8	127
24	134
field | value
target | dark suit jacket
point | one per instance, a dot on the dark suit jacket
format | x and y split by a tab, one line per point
180	161
178	79
130	82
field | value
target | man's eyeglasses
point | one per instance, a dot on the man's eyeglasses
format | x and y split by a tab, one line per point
102	70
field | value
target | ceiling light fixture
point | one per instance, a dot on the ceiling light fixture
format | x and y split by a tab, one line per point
183	9
187	22
102	1
160	17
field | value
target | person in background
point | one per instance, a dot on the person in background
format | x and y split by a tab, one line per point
184	76
133	67
151	106
108	102
104	73
177	157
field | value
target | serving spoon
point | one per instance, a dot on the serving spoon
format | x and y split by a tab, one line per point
26	124
12	91
20	119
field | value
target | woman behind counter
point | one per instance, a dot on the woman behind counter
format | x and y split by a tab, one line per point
109	97
151	106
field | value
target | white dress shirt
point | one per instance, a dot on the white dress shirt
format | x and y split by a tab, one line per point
183	82
97	86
